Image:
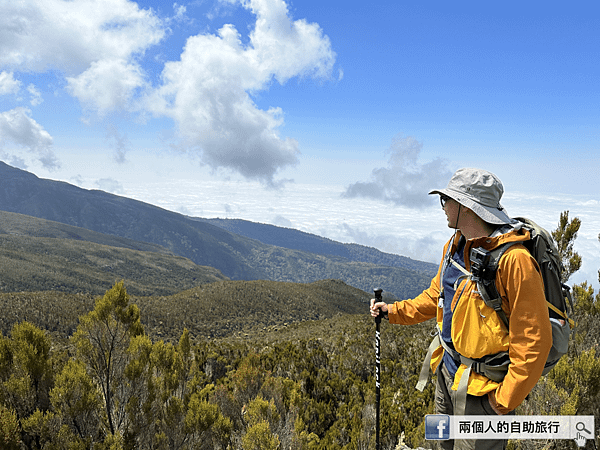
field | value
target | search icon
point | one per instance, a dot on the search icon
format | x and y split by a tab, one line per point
581	427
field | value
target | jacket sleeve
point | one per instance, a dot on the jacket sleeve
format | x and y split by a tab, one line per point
421	308
530	332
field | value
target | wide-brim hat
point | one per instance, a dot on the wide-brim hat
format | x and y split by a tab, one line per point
480	191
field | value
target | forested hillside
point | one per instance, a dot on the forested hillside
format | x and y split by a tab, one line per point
40	255
21	225
305	386
219	309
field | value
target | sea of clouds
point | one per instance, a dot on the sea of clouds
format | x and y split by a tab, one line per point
325	210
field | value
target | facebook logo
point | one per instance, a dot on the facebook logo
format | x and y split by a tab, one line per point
437	427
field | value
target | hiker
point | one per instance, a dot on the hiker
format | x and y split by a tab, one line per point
467	328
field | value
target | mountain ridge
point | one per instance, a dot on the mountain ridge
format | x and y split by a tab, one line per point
235	256
301	240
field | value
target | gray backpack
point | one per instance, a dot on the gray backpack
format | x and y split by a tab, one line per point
558	295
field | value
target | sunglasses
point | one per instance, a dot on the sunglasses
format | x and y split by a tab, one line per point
443	199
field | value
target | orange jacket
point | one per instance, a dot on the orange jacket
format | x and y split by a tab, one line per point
478	331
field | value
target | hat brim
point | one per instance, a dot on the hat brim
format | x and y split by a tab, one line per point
488	214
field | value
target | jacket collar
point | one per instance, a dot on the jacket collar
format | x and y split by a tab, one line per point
507	233
496	240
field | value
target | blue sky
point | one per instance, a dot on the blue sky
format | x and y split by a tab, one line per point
380	101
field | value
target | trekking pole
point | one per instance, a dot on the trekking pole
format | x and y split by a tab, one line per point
377	292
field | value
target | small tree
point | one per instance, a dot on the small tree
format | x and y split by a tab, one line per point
204	421
565	236
168	407
102	340
76	400
26	372
10	435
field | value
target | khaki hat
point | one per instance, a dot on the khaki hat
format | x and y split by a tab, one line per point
480	191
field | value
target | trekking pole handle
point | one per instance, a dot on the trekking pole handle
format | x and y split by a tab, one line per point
378	298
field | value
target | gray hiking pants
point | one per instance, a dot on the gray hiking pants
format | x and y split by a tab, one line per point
476	406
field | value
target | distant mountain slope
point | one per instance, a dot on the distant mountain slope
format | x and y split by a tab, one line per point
24	193
22	225
35	257
300	240
236	256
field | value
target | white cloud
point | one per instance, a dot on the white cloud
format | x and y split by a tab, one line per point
8	84
94	43
36	96
107	85
405	181
281	221
208	91
17	127
110	185
423	247
71	35
120	142
284	48
16	161
180	11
